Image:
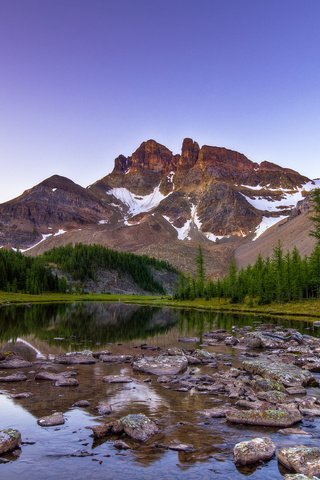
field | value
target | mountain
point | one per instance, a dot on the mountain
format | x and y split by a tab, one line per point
165	204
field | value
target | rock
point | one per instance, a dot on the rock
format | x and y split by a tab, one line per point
75	359
161	365
215	412
16	377
267	418
181	447
287	374
67	382
253	451
121	445
21	395
115	358
293	431
104	408
81	404
49	376
117	379
192	360
137	426
301	459
102	352
274	396
296	390
298	476
174	351
312	412
231	341
56	418
13	361
9	440
203	355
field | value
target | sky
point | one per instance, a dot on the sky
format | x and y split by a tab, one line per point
82	81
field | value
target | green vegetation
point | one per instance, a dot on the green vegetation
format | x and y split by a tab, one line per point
281	278
84	262
315	198
25	274
22	274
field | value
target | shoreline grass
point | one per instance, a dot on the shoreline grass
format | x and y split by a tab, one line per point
308	309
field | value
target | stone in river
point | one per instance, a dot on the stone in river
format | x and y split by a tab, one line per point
117	379
293	431
9	440
161	365
67	382
301	459
81	403
253	451
266	418
13	361
287	374
16	377
217	412
298	476
104	408
56	418
115	358
21	395
75	359
181	447
189	339
136	426
121	445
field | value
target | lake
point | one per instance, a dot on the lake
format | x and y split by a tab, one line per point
39	332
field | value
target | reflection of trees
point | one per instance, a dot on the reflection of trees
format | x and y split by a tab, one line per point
85	323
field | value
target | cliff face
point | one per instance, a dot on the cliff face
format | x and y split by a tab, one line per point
160	203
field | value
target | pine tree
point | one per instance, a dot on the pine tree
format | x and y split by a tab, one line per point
315	198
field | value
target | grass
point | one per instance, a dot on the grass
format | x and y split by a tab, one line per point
309	309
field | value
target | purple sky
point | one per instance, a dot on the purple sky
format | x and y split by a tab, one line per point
82	81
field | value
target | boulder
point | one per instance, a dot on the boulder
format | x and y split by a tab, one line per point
81	404
16	377
137	426
9	440
56	418
161	365
253	451
104	408
203	355
13	361
286	374
301	459
266	418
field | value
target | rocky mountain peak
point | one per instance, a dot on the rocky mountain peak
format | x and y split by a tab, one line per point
189	153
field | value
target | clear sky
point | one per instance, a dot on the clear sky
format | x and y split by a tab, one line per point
82	81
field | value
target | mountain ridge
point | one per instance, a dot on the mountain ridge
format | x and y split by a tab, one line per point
155	201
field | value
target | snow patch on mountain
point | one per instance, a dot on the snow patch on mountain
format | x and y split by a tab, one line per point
138	203
266	223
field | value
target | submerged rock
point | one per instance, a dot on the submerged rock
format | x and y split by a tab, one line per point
117	379
16	377
266	418
253	451
104	408
18	396
121	445
9	440
161	365
293	431
287	374
56	418
301	459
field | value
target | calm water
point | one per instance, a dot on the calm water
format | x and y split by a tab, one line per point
51	453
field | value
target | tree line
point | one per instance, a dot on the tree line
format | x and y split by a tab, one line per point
283	277
19	273
85	262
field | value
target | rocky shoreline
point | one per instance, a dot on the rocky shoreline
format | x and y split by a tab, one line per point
266	384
